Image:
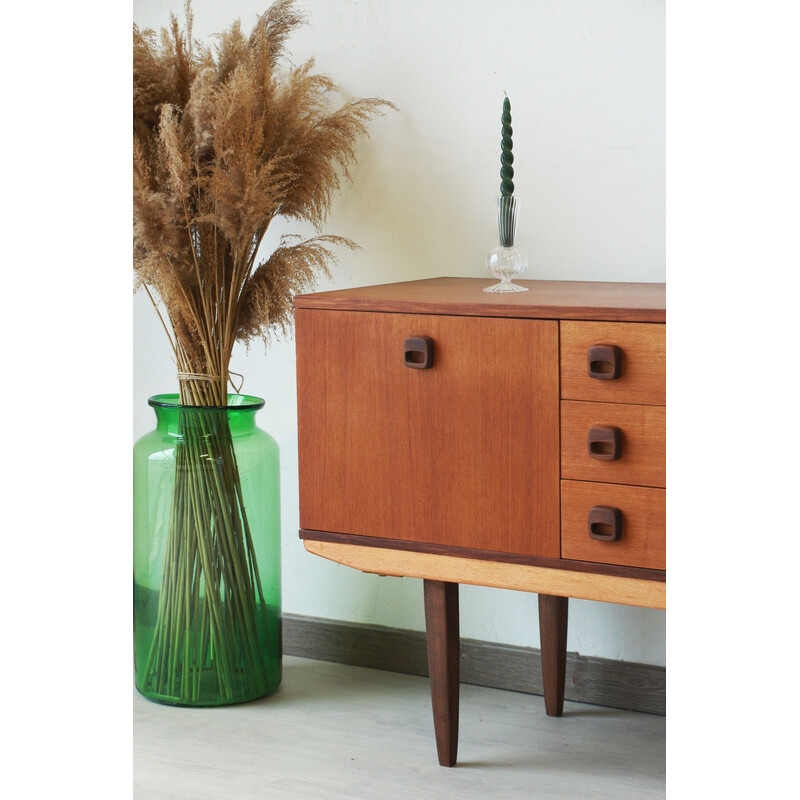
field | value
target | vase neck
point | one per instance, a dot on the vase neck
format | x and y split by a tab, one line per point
174	419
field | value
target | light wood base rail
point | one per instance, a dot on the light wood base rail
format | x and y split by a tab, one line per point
520	577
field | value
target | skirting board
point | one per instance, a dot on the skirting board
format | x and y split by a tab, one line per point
617	684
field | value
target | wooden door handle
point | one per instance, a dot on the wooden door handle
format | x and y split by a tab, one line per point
604	361
605	524
605	442
418	352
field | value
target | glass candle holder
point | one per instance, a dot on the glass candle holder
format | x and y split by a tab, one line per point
506	262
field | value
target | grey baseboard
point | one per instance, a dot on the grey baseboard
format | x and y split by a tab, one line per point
617	684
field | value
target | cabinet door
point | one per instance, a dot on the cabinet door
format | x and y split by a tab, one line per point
463	454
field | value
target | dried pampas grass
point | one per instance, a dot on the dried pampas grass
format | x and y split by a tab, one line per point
224	141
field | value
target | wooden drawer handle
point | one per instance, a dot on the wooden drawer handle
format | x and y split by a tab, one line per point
418	352
605	442
605	524
604	361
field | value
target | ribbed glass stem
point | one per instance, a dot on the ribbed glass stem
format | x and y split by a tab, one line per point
507	211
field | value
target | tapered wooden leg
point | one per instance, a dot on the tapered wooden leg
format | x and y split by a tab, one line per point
553	637
441	623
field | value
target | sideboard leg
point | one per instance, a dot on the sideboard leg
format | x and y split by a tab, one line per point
441	623
553	637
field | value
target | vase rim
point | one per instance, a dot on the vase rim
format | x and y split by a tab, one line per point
236	402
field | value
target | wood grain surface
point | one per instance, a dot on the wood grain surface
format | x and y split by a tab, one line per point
520	577
643	378
591	300
487	555
464	454
336	732
643	460
643	542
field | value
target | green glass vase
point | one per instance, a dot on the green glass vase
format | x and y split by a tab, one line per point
206	555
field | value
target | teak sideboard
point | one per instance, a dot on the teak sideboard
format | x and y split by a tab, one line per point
508	440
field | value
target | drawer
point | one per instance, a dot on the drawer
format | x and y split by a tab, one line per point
642	533
461	454
634	434
639	351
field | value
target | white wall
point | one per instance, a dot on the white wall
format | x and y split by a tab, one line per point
586	79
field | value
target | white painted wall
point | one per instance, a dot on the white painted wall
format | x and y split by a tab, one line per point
586	79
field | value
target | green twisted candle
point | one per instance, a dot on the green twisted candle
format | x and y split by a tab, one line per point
506	156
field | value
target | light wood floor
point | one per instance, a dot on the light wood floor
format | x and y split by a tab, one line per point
334	731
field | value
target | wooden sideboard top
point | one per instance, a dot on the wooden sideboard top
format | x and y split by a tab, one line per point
588	300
